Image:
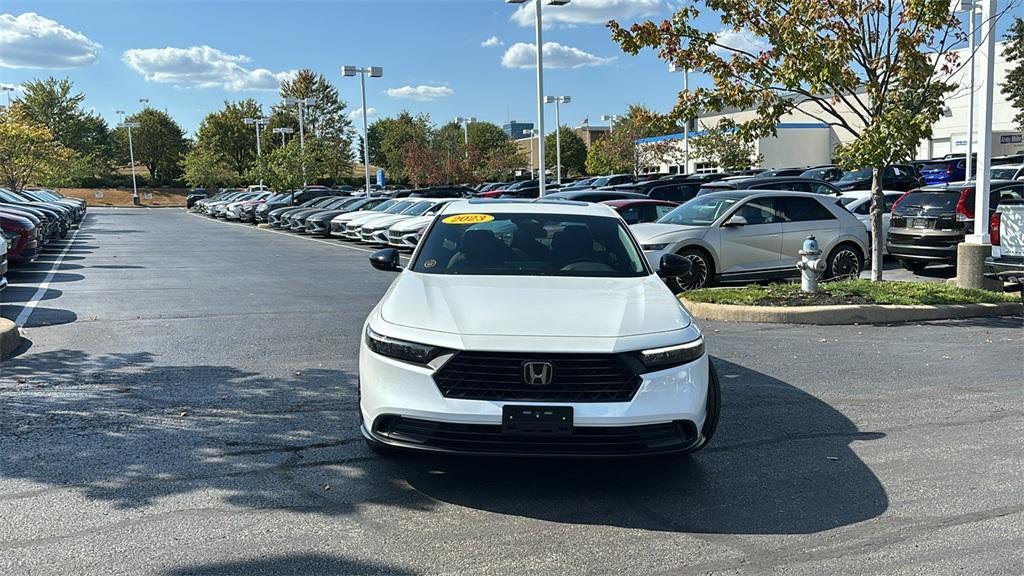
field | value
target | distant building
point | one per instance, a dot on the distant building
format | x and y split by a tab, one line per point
517	130
590	134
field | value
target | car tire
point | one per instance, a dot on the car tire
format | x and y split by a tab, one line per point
844	261
913	265
714	408
701	272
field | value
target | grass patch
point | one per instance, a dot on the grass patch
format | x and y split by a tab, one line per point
123	196
849	292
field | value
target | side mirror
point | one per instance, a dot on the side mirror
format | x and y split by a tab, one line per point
673	265
735	220
386	260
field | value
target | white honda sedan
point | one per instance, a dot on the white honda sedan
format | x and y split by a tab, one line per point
533	329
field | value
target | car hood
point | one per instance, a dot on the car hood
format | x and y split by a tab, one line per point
349	216
386	222
652	233
533	305
414	223
363	219
325	214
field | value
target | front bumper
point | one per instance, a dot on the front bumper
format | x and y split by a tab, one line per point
401	406
318	227
1006	267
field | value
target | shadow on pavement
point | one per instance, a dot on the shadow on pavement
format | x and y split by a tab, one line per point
121	429
292	565
25	293
40	316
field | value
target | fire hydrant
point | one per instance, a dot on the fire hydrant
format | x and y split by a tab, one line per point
811	265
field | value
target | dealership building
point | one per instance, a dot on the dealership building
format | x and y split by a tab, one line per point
803	140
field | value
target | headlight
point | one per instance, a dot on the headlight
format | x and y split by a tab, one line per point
401	349
669	356
654	246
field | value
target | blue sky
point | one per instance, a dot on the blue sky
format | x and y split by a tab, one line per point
420	43
189	56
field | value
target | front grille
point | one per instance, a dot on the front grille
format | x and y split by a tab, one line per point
499	376
584	440
336	227
395	238
352	230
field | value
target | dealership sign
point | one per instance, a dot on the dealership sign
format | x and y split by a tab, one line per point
1011	138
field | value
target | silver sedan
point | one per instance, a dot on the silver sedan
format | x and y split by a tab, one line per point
753	235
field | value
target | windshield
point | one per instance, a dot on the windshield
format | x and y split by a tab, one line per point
856	175
419	208
530	245
1003	173
399	207
847	200
699	211
933	166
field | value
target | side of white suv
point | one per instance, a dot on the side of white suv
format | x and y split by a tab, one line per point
533	329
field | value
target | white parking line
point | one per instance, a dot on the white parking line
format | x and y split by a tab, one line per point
248	227
30	306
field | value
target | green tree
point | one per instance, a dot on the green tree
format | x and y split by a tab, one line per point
389	138
609	156
207	169
503	161
325	120
574	151
225	132
1013	89
159	144
725	149
877	71
29	154
619	152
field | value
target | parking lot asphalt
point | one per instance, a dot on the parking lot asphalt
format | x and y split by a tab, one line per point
187	405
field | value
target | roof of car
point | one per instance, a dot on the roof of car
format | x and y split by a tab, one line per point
866	193
750	192
635	201
539	206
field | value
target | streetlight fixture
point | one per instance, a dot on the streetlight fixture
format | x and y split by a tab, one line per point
282	131
465	122
8	89
144	102
374	72
259	123
558	101
302	103
672	68
131	156
540	78
611	119
977	246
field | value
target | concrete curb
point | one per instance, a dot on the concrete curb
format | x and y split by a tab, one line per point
10	338
849	314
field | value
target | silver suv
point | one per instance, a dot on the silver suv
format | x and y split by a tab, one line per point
751	235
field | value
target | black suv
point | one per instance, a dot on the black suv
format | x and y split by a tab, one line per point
287	199
897	177
927	223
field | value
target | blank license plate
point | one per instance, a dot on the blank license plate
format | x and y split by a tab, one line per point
537	420
919	223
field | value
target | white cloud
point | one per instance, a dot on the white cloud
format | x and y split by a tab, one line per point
589	12
492	42
31	41
201	67
358	113
744	40
522	55
420	93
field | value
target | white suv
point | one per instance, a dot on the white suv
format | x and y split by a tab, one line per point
533	329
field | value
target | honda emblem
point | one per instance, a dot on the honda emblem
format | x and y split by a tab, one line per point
538	373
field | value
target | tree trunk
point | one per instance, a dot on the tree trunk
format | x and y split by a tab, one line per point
877	234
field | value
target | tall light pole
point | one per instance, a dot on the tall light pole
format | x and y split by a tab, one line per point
540	79
282	131
558	101
374	72
686	133
131	157
611	119
465	122
533	133
302	103
259	123
8	89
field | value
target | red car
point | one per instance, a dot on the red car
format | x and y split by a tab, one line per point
23	233
638	211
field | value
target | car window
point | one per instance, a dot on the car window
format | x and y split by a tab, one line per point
1015	192
530	245
890	199
631	214
821	188
792	209
661	210
701	211
758	211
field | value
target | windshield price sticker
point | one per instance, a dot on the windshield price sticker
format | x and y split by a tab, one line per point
468	219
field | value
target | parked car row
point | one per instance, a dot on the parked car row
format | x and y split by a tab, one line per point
31	218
